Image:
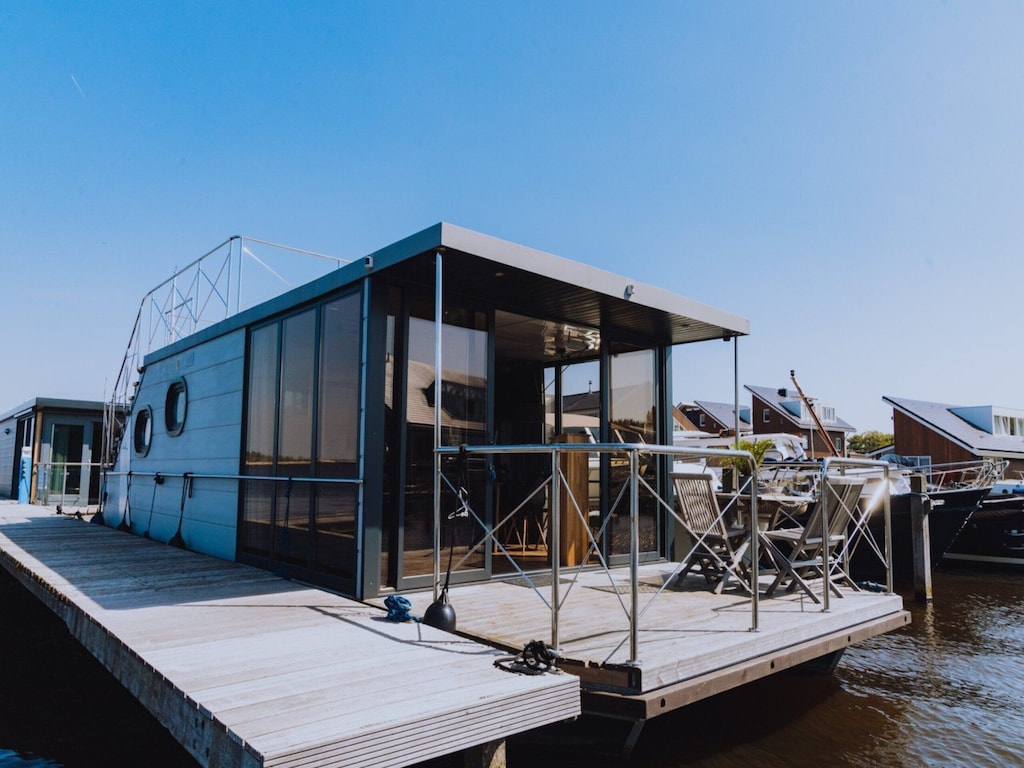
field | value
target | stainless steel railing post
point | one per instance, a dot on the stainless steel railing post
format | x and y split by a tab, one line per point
554	536
634	558
887	519
755	556
825	543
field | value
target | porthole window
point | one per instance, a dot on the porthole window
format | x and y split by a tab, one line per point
175	407
143	432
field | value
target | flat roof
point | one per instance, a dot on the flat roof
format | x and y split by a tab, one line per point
517	278
50	403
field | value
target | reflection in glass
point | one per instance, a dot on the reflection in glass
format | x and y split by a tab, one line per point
335	548
298	346
261	416
463	420
294	386
633	420
337	433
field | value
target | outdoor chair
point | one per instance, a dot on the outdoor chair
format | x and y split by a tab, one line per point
717	547
800	553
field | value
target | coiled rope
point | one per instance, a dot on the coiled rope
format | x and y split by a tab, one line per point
535	659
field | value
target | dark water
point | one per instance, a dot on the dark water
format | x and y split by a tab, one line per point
946	691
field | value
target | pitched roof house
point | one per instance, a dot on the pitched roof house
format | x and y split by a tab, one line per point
716	418
952	433
783	410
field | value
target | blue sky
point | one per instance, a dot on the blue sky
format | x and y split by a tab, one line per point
847	175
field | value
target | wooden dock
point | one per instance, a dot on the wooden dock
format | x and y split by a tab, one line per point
247	669
693	643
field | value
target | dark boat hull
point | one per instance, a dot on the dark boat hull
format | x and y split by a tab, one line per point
946	521
995	534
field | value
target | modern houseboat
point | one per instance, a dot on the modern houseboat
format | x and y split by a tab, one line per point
298	434
404	424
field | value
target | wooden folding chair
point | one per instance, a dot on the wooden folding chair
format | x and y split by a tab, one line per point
801	553
717	547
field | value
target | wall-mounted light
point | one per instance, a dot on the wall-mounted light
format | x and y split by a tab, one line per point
630	290
7	430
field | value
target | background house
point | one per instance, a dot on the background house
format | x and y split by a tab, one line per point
783	410
716	418
951	433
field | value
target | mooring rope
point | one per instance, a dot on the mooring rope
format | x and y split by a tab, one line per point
399	608
535	659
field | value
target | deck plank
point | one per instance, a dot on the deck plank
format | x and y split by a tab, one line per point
248	669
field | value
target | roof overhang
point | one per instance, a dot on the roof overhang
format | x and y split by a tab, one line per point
554	287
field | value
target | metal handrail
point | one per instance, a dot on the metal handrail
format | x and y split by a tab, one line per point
843	465
217	476
634	611
44	469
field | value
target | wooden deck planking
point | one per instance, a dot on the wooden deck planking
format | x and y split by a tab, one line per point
685	632
246	668
473	716
421	743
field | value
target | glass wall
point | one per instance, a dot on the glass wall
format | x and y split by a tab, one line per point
337	453
66	458
633	419
302	421
258	458
464	397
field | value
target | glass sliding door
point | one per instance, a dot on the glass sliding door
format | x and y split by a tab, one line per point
302	424
337	454
65	460
633	419
261	440
295	437
464	409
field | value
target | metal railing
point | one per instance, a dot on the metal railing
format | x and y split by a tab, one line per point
962	474
557	489
205	291
57	482
129	508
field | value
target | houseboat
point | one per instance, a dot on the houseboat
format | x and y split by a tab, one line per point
402	424
298	435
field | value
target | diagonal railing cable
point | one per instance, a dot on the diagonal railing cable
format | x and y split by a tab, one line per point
205	291
629	492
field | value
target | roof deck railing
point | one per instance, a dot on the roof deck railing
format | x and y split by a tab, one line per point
229	278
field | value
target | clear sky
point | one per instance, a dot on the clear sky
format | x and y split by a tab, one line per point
849	176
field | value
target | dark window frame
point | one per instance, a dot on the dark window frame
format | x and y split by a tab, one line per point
143	419
176	390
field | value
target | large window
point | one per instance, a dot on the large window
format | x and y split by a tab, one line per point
633	420
302	422
66	458
463	420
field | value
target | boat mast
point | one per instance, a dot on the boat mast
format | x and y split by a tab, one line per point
814	414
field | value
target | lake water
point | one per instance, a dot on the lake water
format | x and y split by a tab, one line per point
946	691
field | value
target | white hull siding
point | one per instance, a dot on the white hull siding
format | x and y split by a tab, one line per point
209	444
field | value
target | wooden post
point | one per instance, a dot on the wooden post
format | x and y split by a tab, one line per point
489	755
920	506
573	538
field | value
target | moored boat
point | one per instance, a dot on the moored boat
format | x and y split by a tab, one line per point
995	533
